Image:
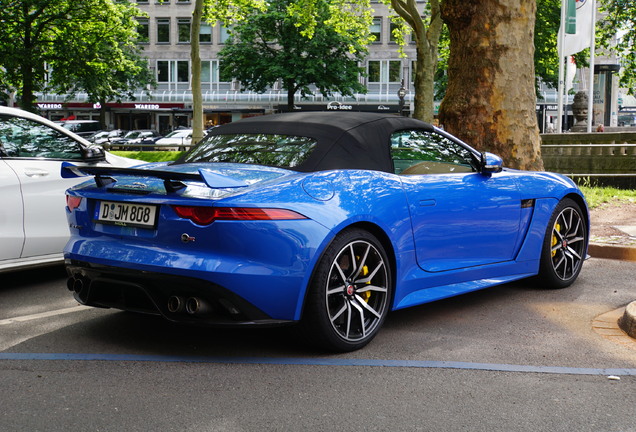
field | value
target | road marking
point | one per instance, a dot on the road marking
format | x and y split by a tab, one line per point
321	362
48	314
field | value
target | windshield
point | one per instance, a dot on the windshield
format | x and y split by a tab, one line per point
283	151
178	133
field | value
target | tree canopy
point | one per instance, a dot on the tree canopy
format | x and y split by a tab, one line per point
69	46
273	44
617	32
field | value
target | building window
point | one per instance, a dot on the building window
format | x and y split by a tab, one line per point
384	71
223	76
173	71
225	33
163	30
143	29
183	29
394	27
205	33
376	29
210	71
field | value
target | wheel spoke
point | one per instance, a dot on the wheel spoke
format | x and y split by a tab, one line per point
363	327
371	275
365	305
340	272
362	262
336	290
354	262
339	313
372	288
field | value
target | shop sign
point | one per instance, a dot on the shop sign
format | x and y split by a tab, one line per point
339	106
50	106
147	106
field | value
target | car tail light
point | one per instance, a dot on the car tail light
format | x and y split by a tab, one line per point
207	215
73	202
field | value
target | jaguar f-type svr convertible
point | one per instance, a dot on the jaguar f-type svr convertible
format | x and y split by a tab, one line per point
328	220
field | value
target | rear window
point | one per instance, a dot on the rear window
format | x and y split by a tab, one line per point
283	151
88	126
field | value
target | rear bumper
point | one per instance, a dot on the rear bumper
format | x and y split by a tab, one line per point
162	294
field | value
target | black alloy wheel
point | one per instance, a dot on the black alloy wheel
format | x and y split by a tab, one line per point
564	246
350	292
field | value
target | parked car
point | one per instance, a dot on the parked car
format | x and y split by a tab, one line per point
83	128
103	138
135	140
33	226
177	140
329	220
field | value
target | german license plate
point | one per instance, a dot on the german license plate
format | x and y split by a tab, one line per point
127	214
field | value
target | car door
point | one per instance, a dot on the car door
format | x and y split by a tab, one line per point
11	213
460	217
33	152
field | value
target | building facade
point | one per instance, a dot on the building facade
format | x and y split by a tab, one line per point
165	36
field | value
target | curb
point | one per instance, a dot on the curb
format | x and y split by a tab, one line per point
627	322
624	253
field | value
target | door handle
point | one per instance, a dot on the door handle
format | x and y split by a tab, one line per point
35	172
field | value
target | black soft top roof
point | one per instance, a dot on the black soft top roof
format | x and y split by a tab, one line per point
345	140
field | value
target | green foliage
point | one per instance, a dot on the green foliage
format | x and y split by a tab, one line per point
101	56
441	75
345	17
620	21
546	58
230	11
274	44
150	156
546	30
596	196
68	46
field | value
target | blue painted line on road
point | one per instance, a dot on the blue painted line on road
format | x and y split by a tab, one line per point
321	362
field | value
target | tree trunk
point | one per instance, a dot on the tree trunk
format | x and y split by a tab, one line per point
195	57
426	45
27	98
291	91
490	99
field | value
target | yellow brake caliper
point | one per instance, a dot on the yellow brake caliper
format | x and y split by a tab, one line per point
557	228
367	294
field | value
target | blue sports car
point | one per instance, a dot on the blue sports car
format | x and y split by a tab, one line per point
328	220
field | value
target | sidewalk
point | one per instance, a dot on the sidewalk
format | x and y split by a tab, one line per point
621	246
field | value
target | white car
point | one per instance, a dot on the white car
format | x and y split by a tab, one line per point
33	225
176	140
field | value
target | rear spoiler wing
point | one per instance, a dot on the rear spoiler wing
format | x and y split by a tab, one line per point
172	179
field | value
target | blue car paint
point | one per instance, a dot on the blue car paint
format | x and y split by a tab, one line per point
277	258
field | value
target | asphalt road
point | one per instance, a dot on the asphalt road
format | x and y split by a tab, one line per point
510	358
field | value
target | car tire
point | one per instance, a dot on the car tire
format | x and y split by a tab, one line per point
564	246
350	293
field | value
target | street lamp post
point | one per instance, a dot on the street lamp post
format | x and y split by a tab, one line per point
401	94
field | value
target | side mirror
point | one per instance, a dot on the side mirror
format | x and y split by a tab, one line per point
490	163
94	154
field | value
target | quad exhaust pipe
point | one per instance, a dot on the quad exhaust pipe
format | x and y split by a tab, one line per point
197	306
191	305
78	285
176	304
